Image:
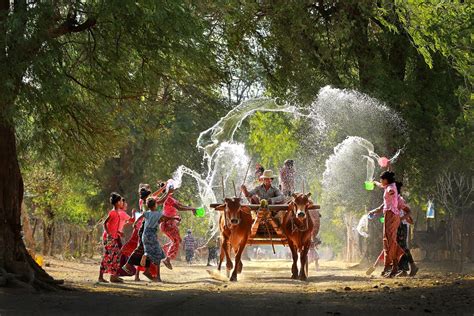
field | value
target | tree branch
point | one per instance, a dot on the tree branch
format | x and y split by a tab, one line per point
125	97
70	26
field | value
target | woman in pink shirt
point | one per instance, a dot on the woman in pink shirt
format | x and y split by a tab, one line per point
112	243
170	227
392	251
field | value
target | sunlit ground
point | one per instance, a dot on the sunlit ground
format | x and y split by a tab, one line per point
264	287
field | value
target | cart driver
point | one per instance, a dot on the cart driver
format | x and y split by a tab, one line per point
265	191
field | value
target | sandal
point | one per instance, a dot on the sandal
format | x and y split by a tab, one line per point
167	264
116	279
102	280
148	275
125	268
413	270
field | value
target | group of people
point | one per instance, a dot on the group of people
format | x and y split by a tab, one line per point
142	252
395	255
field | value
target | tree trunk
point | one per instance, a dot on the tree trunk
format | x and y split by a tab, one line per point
16	265
28	232
48	231
48	228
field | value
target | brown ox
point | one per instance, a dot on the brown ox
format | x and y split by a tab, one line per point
235	225
298	226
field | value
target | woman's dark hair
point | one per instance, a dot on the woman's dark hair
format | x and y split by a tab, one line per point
261	169
144	193
114	198
399	187
161	184
388	175
150	202
142	186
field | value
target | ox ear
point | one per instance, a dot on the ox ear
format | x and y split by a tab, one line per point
295	195
220	207
308	194
291	206
227	200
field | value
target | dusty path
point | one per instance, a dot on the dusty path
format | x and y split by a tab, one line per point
264	288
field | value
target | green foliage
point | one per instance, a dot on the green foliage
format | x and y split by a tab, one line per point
441	26
272	138
103	97
53	196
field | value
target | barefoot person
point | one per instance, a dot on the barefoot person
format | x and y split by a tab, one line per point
406	262
189	246
111	260
134	247
287	178
151	246
170	227
402	239
151	271
392	251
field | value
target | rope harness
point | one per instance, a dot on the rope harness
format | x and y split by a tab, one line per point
294	225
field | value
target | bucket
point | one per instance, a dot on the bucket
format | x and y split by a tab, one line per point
383	162
39	260
382	219
200	212
369	185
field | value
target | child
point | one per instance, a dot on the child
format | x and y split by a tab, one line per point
151	246
392	251
151	271
170	227
134	247
402	236
112	244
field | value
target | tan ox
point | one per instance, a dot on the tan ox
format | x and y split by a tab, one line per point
299	227
235	225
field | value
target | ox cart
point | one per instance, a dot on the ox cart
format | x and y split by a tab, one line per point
261	224
266	227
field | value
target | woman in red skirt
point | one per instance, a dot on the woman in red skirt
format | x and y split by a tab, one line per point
170	227
112	243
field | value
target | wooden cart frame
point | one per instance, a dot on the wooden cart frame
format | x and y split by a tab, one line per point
266	227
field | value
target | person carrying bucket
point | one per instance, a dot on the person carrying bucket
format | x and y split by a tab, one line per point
392	251
171	207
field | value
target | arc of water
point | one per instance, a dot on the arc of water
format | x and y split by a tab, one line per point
395	157
370	167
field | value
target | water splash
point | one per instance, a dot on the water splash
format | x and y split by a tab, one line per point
211	140
335	113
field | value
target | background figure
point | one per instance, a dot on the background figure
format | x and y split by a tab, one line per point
212	246
313	254
189	246
259	169
287	178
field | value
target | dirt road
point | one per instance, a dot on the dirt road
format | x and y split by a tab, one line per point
263	288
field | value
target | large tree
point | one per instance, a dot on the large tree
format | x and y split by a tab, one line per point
72	71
